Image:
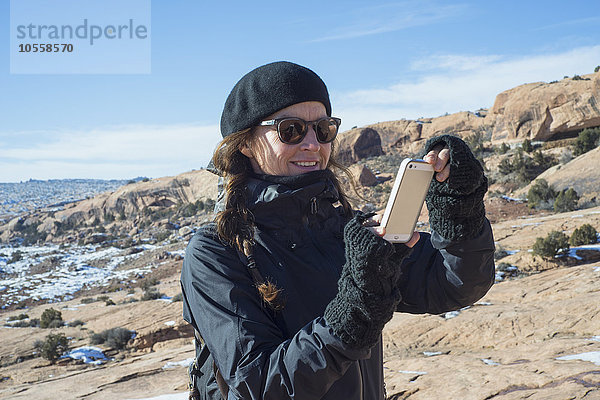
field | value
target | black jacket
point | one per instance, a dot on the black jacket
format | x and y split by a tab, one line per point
294	353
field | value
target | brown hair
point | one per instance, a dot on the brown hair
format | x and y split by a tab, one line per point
235	224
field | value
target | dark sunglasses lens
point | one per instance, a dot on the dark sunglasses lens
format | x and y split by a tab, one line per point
291	130
326	130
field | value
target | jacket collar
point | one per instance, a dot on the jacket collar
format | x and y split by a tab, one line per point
280	201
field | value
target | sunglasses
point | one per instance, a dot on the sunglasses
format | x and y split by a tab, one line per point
292	130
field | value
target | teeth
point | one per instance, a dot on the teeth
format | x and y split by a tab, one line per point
306	164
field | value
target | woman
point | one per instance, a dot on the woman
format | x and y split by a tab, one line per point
289	288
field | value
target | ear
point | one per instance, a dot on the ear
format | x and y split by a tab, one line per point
245	150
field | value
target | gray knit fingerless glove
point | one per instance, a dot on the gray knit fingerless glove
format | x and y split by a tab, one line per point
367	289
456	209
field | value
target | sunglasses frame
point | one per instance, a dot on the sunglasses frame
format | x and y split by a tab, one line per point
277	121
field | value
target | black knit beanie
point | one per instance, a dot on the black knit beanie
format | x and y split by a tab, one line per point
268	89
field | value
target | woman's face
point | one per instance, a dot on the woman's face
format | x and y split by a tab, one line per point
269	155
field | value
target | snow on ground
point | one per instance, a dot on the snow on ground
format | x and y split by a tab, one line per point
88	354
573	250
174	364
72	273
592	356
513	199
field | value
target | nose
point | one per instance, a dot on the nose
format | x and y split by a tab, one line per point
310	142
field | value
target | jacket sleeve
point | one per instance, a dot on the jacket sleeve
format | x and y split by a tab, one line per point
443	275
251	352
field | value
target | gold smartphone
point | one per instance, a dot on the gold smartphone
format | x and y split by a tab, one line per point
406	200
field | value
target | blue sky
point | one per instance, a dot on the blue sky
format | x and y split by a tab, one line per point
381	61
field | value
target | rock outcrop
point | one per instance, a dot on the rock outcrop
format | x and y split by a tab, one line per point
537	111
544	111
358	144
134	198
363	175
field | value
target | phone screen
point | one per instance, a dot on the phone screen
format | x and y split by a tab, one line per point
407	205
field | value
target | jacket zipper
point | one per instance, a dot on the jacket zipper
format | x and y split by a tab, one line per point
314	208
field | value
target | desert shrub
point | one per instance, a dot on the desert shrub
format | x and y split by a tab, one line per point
162	236
109	302
16	256
476	143
527	146
18	317
53	346
541	194
88	300
500	252
49	316
585	234
151	294
551	245
503	149
597	68
55	323
108	217
177	297
149	282
32	323
76	323
586	141
566	200
115	338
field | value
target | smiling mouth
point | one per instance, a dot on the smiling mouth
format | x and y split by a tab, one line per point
305	163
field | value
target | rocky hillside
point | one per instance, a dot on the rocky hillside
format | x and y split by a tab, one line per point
536	111
122	212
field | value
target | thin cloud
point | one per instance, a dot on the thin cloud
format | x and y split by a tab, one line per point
579	21
125	151
389	18
458	88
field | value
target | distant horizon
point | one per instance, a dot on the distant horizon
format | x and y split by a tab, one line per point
382	61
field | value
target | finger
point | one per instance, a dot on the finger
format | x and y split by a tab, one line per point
413	240
373	221
432	156
442	159
377	218
378	230
443	174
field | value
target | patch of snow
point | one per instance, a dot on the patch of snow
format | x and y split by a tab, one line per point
483	303
413	372
174	364
597	269
592	356
505	197
431	353
170	323
487	361
451	314
595	338
72	274
177	252
499	276
165	298
573	250
88	354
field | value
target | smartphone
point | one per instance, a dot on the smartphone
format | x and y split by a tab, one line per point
406	200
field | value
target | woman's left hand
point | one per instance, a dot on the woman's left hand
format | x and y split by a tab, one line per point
374	225
438	157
